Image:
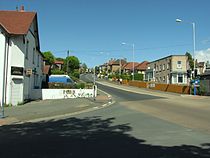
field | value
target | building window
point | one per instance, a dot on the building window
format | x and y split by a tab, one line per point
160	67
174	78
36	78
179	64
38	61
168	66
27	47
33	55
163	67
180	78
164	79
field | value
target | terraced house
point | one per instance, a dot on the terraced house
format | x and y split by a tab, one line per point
169	70
20	56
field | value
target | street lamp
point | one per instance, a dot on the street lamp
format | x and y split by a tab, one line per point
193	29
133	46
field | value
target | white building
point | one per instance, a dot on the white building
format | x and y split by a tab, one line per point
20	57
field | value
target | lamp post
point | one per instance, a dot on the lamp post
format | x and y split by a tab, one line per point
193	29
193	32
133	48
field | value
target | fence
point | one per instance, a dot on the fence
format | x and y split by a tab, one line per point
182	89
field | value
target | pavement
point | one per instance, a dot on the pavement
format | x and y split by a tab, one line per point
42	110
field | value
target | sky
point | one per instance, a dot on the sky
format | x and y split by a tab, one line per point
94	30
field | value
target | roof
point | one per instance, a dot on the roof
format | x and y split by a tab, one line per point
119	61
16	22
142	66
129	65
58	62
170	56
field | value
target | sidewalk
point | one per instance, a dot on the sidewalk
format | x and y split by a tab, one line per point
52	109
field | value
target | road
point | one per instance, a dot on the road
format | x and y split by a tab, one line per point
141	124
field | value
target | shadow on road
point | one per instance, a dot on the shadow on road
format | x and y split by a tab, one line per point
89	137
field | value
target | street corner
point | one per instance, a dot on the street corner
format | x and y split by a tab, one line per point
8	121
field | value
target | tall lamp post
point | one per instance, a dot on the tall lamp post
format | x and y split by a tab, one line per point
193	32
193	29
133	47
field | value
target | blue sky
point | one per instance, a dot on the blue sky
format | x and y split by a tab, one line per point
93	30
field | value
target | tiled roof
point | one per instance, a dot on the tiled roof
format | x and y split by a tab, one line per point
16	22
142	66
129	65
58	62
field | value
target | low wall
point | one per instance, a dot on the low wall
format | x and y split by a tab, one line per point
138	84
162	87
61	93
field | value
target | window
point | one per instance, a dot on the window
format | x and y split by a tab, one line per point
27	45
164	78
33	55
174	78
160	67
180	78
36	78
163	67
157	69
179	64
38	61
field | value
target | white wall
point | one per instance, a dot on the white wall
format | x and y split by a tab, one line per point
62	93
16	59
2	52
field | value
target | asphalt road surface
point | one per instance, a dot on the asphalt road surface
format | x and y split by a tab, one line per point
136	125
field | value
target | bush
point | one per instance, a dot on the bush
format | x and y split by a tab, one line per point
80	85
57	72
126	77
61	86
138	77
76	74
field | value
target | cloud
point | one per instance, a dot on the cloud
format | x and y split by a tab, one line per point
203	55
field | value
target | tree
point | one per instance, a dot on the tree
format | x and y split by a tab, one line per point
49	57
71	63
190	59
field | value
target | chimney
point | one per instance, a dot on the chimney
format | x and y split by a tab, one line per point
22	9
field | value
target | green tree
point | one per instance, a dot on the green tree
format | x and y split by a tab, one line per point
190	59
72	63
49	57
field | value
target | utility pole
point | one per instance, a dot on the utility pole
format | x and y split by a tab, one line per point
67	68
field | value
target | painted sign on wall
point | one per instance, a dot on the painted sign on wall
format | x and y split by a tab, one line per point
65	93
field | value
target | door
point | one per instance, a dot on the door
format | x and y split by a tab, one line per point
17	91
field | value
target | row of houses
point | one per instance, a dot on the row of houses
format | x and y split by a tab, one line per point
169	70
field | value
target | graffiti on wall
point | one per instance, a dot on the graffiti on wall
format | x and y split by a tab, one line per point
77	93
